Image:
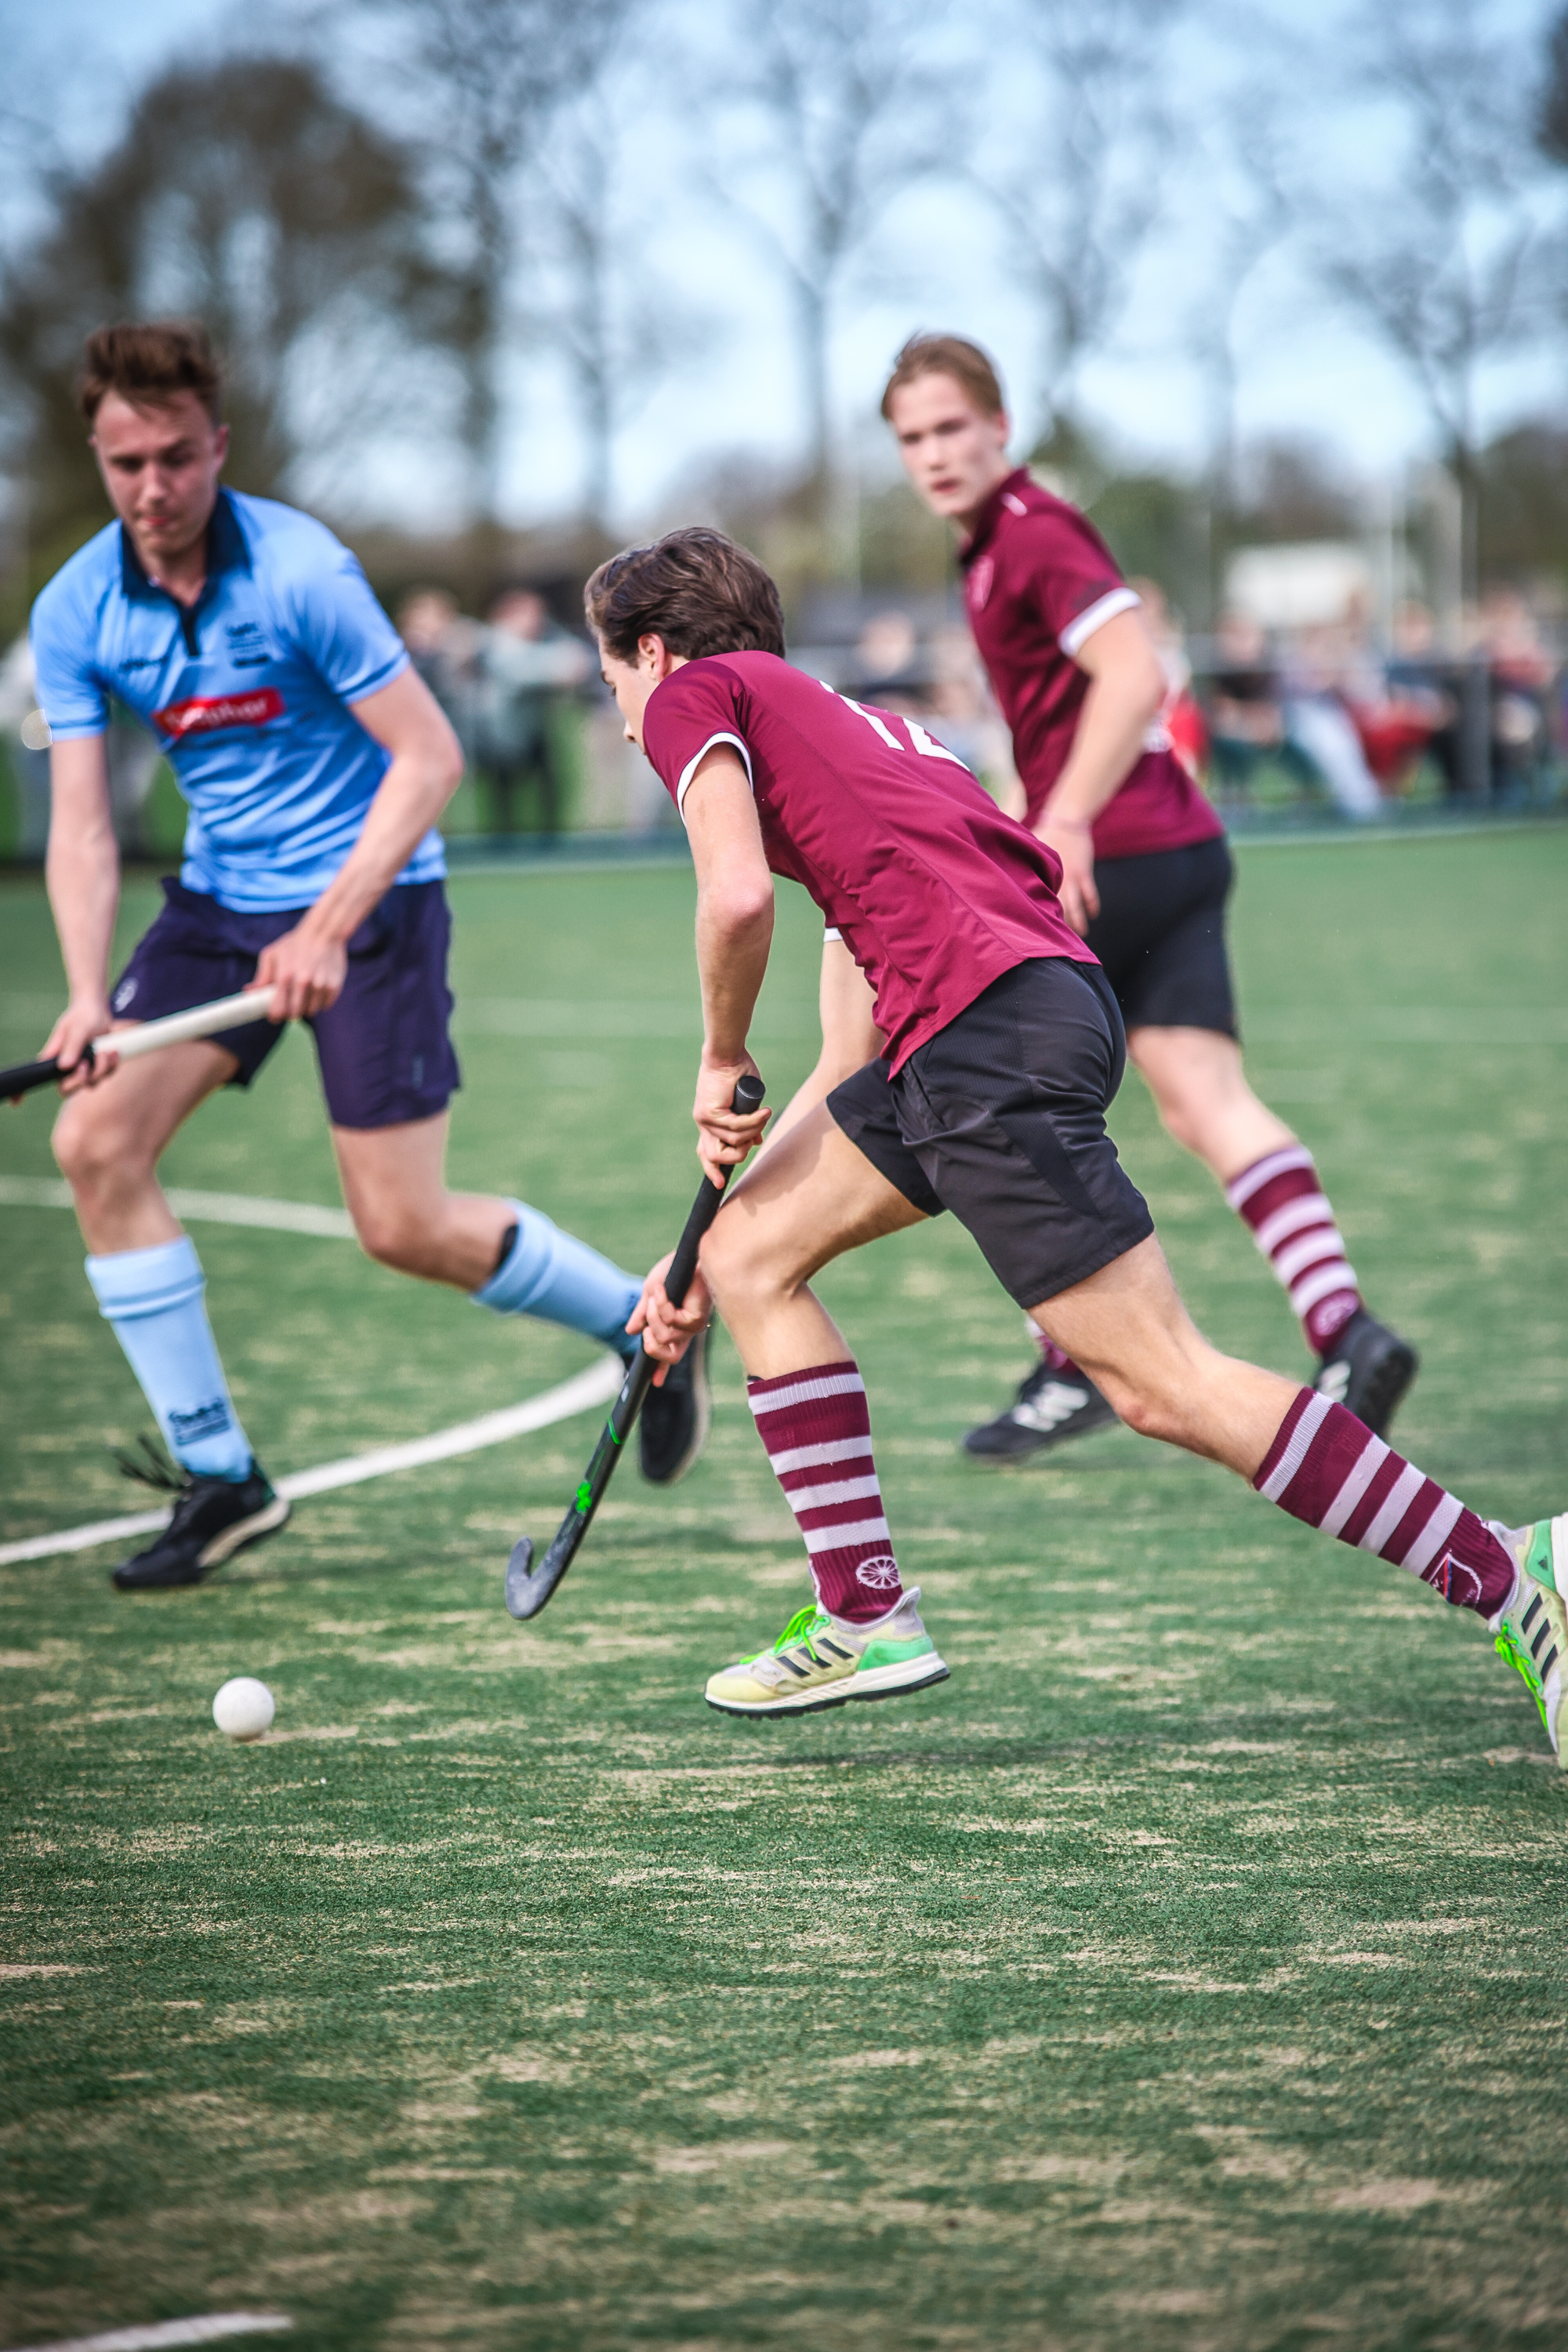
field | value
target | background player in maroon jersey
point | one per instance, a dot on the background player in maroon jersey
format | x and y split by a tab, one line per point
1002	1047
1145	868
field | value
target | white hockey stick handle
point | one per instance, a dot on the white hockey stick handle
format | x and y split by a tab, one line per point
175	1028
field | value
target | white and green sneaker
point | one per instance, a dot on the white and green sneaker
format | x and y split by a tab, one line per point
819	1662
1533	1630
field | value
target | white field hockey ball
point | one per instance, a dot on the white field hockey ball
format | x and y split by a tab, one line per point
244	1707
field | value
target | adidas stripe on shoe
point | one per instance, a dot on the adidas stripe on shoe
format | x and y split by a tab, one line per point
819	1661
1532	1628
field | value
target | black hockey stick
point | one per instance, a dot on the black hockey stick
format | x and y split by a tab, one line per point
529	1588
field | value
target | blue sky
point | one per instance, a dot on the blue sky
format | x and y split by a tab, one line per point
1305	369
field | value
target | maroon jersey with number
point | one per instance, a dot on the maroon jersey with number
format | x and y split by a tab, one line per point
1038	581
934	892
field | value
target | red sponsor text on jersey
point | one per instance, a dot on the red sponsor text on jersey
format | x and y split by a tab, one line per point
934	892
1038	579
204	714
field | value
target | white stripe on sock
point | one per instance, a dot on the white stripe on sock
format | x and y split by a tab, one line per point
1326	1242
813	1457
1313	1289
1364	1470
1252	1180
842	1490
1313	1414
839	1538
1401	1494
1433	1535
807	1391
1293	1218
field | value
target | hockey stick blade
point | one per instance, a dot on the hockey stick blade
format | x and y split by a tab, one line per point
529	1588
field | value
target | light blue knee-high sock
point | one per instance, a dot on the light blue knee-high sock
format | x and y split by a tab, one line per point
551	1275
153	1299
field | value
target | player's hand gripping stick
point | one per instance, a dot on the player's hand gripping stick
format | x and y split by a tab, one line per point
146	1037
529	1588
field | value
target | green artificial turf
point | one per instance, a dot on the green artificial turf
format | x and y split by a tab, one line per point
1187	1972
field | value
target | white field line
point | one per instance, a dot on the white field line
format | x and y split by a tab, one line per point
200	1208
596	1386
209	2330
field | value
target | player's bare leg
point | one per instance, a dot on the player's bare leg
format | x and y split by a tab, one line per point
511	1258
1201	1092
395	1187
108	1139
806	1204
809	1199
144	1270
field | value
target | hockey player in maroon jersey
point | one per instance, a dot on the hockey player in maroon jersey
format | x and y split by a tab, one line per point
1145	869
1002	1047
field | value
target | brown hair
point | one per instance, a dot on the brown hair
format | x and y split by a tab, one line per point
150	363
696	589
947	355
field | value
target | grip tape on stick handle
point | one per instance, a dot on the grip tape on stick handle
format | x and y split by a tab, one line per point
147	1037
747	1097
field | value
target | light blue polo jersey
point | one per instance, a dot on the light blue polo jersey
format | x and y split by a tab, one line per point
246	692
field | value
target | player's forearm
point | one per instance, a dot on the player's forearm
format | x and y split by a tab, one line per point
82	873
1111	728
408	801
734	933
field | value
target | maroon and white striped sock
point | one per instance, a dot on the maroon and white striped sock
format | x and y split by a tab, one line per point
1328	1469
1055	1359
817	1432
1281	1198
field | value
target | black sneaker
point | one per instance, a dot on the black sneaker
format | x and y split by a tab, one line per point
673	1429
1368	1368
214	1518
1051	1407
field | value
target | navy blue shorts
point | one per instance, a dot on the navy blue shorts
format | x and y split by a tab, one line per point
384	1054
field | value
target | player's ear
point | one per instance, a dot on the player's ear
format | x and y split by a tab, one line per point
653	650
220	443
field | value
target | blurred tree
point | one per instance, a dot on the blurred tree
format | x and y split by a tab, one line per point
819	114
1088	182
1524	506
1435	245
1551	123
475	84
245	193
592	293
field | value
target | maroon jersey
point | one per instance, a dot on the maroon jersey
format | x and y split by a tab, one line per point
1038	582
934	892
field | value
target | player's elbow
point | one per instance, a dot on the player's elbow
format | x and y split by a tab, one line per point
741	906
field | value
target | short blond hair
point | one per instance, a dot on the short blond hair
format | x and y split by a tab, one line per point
951	355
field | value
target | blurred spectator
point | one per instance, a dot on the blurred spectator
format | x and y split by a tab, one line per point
1244	720
1420	676
1326	662
26	737
441	646
525	662
885	667
1519	671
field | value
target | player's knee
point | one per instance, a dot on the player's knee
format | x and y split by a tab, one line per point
736	1265
92	1149
392	1238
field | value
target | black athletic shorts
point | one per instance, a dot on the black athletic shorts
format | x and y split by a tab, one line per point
1160	936
382	1048
1001	1117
